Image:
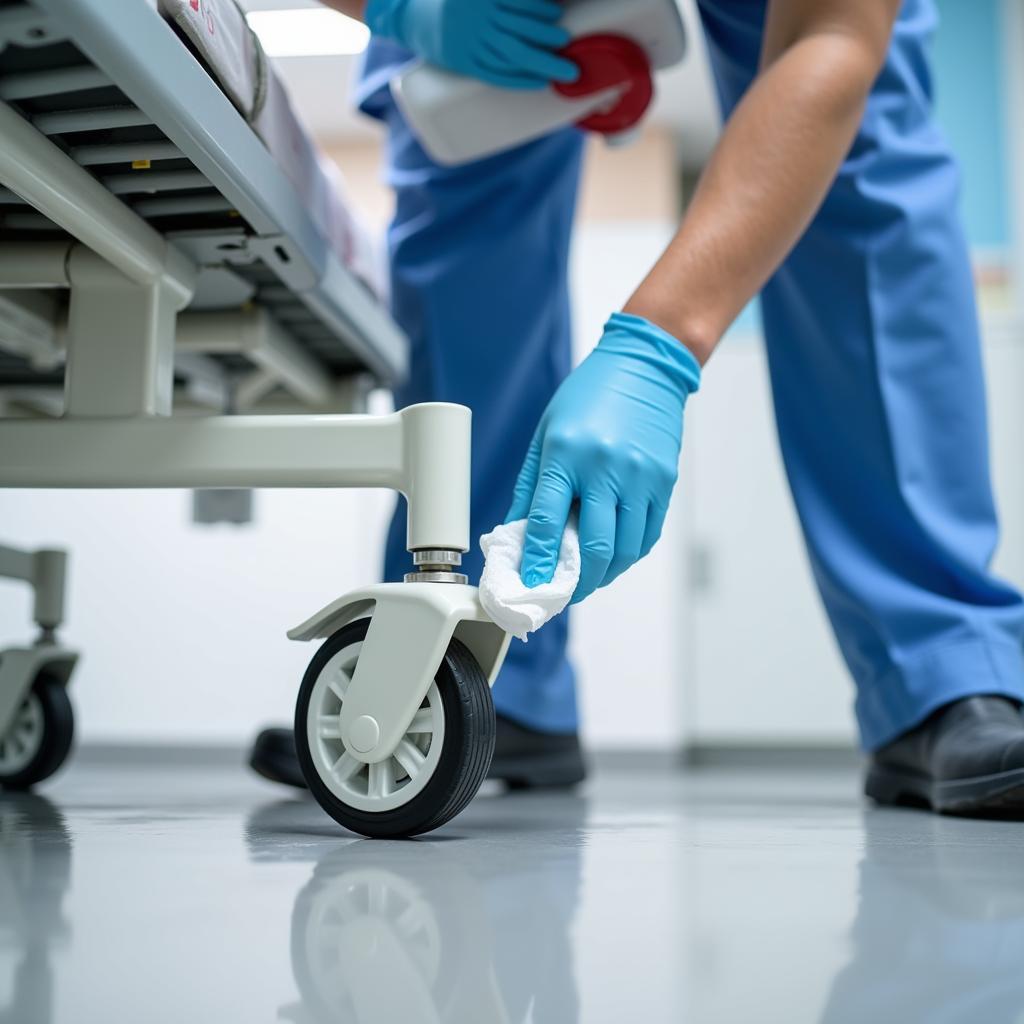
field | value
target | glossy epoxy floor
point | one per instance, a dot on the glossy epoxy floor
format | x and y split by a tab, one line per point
198	895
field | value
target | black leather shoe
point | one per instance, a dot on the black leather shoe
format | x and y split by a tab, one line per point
527	759
273	756
966	758
523	758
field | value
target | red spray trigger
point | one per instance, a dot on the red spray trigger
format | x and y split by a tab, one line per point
606	61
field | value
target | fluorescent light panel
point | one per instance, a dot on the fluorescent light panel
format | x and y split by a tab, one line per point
308	32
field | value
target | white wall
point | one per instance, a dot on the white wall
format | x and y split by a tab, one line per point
182	628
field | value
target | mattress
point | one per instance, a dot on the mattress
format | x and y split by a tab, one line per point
217	32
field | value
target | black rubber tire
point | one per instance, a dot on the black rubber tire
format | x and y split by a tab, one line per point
469	730
58	733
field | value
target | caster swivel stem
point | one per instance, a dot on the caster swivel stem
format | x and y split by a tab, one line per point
437	565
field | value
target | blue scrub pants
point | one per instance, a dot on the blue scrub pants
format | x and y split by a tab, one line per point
479	264
874	354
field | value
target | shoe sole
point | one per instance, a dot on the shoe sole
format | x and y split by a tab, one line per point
999	794
562	772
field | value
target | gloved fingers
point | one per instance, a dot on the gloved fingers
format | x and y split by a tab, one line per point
533	30
630	528
545	525
655	521
597	541
549	10
526	482
522	59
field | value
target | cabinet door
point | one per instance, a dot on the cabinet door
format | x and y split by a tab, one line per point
1004	364
765	668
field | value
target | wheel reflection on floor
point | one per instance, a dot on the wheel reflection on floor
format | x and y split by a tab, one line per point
441	929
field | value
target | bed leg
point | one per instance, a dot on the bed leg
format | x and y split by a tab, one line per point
436	467
120	341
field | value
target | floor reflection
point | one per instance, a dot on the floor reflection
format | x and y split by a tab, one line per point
430	930
35	875
705	898
939	934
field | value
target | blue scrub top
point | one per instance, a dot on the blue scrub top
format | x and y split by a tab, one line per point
383	59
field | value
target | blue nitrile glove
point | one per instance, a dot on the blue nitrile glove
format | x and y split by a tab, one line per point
609	439
508	43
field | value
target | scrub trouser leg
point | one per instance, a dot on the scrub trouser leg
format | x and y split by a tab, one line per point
874	353
479	258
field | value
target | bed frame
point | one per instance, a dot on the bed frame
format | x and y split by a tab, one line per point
147	317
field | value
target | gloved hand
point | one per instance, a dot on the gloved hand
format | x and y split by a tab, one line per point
508	43
609	439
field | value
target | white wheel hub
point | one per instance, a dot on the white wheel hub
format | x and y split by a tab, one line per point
367	920
20	744
383	785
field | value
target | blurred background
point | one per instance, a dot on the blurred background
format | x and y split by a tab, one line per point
717	643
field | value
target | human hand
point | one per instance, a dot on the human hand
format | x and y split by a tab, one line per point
507	43
609	440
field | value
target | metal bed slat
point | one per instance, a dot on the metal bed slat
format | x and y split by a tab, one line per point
124	152
294	315
64	122
276	294
33	84
154	181
177	206
28	222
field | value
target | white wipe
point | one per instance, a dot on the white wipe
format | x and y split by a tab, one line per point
519	609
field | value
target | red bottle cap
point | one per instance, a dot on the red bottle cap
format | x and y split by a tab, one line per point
605	61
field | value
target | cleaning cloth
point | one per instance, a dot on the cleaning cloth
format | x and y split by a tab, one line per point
512	605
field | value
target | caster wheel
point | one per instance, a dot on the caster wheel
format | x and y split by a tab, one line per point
352	929
39	738
434	772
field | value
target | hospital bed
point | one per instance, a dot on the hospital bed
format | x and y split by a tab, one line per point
188	300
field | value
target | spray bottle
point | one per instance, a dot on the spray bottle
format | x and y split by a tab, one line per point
617	44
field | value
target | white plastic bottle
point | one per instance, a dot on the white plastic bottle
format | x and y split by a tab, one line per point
618	45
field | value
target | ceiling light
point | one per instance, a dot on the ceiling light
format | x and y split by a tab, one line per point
308	32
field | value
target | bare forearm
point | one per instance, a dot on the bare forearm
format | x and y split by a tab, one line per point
769	174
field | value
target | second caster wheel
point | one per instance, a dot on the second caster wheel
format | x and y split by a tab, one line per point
39	737
437	767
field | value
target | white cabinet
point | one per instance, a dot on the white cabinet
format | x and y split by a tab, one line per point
1004	365
763	665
